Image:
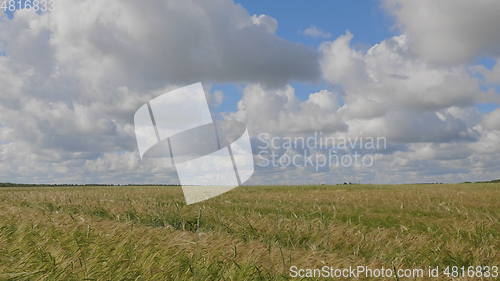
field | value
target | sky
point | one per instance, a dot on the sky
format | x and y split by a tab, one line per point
424	75
331	18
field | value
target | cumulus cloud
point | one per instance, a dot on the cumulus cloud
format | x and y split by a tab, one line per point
389	75
399	94
426	111
71	80
280	111
449	31
149	44
492	120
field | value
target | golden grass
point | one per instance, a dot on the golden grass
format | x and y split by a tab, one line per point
251	233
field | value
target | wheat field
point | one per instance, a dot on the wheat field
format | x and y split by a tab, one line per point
250	233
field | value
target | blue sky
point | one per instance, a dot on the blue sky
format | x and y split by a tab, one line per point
366	19
427	118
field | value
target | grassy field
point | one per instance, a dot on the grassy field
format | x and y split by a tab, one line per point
250	233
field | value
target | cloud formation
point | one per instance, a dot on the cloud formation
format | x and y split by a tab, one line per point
426	111
280	111
449	31
71	80
71	83
400	95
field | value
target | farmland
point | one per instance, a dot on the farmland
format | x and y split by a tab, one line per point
250	233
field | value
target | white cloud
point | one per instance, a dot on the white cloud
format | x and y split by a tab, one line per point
426	111
279	111
492	120
389	91
149	44
270	24
315	32
389	75
71	80
449	31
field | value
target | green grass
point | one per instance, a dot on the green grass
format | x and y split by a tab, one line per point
250	233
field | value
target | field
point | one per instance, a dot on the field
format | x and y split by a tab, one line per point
250	233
